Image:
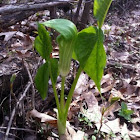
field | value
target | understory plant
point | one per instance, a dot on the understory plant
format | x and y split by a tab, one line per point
124	112
85	46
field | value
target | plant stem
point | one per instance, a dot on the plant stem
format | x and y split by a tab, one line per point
55	92
56	97
72	91
62	94
101	122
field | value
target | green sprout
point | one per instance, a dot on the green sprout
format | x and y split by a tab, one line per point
124	112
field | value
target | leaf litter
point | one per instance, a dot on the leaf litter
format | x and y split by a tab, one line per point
121	79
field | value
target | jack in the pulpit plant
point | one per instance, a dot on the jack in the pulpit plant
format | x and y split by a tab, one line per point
85	46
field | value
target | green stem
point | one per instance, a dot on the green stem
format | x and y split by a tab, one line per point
55	92
62	94
56	97
72	91
61	123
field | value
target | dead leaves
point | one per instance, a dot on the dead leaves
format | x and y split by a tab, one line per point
71	134
44	118
18	43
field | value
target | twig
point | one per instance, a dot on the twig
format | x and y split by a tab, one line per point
33	88
3	101
9	134
14	110
124	65
19	129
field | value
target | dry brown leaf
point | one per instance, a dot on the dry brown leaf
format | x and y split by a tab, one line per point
8	35
44	118
123	56
124	132
79	135
127	88
106	89
74	108
134	135
90	100
110	126
93	112
106	78
116	93
81	85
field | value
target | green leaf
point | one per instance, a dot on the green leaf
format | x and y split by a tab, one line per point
65	27
123	106
84	44
100	10
93	137
54	69
41	80
124	112
65	55
68	33
12	79
97	60
114	99
43	42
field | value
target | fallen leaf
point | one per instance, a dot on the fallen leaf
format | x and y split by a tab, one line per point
93	112
134	135
44	118
124	132
81	85
110	126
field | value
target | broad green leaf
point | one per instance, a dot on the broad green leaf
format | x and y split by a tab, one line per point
97	60
65	27
100	10
41	80
84	44
43	42
54	69
68	33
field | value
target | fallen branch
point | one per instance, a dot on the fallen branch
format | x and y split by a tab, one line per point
11	19
11	14
8	9
124	65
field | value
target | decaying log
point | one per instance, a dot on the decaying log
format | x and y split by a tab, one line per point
11	19
30	7
11	14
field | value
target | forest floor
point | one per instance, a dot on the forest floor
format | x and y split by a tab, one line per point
121	79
